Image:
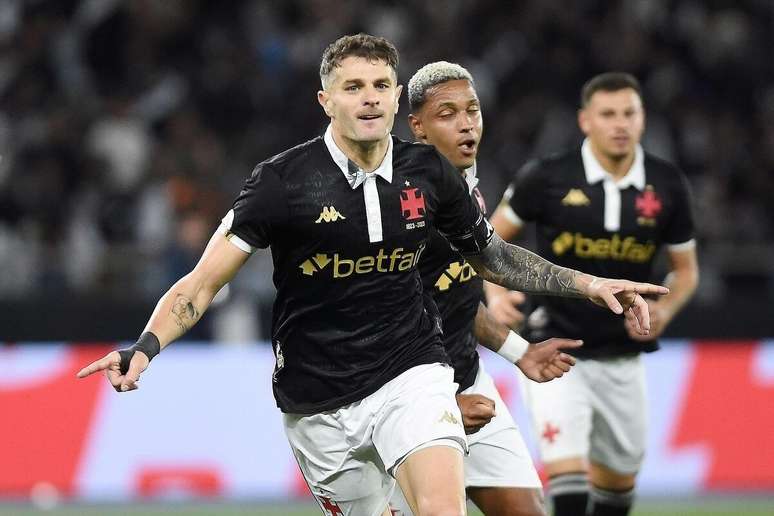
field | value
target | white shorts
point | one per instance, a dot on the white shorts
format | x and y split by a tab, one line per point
348	455
498	455
598	410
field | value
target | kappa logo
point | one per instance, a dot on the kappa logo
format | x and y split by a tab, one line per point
329	214
576	197
457	271
448	417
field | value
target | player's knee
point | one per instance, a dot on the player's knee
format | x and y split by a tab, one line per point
440	506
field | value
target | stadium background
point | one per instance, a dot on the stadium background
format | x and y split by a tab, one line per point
126	127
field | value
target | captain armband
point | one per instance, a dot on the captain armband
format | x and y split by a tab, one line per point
473	241
148	343
514	347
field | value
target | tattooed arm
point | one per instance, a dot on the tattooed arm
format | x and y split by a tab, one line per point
518	269
176	312
185	303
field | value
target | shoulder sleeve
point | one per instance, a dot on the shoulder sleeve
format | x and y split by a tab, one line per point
680	227
459	218
258	210
524	195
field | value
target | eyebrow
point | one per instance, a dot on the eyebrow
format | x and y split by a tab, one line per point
451	104
358	80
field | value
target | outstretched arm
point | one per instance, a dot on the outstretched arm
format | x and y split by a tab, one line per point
518	269
177	310
540	362
503	303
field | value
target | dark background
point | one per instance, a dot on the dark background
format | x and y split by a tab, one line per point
126	128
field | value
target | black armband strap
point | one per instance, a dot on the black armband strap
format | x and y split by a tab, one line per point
148	343
474	240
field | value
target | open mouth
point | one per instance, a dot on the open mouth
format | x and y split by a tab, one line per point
467	146
370	116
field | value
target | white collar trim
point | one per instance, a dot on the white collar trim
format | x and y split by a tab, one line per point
595	173
352	172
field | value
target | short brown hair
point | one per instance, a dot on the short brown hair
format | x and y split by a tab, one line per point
609	81
370	47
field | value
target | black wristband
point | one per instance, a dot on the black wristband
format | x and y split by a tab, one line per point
148	343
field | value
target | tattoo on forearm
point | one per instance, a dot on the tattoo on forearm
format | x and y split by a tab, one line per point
518	269
184	312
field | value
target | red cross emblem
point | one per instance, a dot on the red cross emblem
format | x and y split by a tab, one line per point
549	433
648	204
330	507
412	203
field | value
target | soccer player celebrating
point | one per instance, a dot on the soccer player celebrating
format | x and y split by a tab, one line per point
500	477
361	374
604	208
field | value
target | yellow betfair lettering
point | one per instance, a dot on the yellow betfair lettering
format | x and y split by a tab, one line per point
379	259
459	271
337	263
397	260
584	247
406	262
615	247
562	243
364	264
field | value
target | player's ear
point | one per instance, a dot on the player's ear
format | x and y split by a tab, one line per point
583	121
324	98
416	127
398	91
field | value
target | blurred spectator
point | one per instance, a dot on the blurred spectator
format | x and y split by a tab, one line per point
127	126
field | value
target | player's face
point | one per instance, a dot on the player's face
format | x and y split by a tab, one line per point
361	99
450	119
613	121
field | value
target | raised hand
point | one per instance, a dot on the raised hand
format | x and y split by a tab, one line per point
477	411
625	297
659	319
503	305
122	381
544	361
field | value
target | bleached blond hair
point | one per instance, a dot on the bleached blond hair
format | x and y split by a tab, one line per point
431	75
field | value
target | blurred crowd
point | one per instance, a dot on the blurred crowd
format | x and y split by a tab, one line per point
127	126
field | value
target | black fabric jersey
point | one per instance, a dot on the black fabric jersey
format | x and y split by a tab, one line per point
569	216
350	314
457	291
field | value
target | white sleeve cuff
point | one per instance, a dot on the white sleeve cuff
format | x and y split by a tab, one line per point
510	215
238	242
684	246
514	347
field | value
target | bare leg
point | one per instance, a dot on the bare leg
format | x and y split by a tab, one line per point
508	501
432	481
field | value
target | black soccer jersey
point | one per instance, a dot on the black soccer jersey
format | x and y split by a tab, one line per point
457	291
350	313
587	222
